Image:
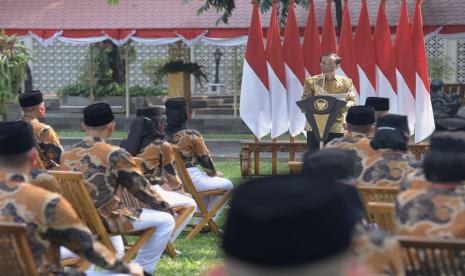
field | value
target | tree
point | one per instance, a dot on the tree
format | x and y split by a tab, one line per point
227	7
13	61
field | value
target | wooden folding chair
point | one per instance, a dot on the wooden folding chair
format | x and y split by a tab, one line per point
426	256
370	193
181	215
73	188
204	213
383	214
15	253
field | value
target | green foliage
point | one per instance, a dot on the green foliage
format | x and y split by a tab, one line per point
110	90
150	67
158	69
440	67
228	6
13	60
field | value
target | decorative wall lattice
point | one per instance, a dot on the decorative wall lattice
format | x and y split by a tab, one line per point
204	56
435	47
145	52
461	62
57	65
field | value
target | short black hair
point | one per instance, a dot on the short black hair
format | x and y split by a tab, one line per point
330	54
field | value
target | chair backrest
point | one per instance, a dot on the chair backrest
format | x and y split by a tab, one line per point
184	175
369	193
72	187
426	256
15	253
129	200
383	214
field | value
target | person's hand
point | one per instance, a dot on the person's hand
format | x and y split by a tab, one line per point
135	270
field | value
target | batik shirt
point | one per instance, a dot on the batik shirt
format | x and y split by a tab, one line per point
386	167
377	250
415	180
47	143
356	143
106	170
159	164
44	180
193	149
320	86
437	210
51	221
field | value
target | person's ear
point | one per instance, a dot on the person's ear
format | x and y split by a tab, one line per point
83	126
32	158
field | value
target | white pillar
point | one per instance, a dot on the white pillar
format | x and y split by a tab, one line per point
235	83
192	59
450	51
126	76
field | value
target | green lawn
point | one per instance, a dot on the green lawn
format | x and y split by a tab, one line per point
204	251
123	134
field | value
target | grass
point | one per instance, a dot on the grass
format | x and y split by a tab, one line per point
204	250
209	136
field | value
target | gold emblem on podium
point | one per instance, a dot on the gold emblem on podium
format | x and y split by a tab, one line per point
321	104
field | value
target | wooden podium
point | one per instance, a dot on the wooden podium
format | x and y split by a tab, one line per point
179	85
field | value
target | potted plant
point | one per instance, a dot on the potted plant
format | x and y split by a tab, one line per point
178	75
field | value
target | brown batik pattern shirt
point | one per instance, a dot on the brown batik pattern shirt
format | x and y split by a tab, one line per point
107	169
193	149
377	250
47	144
51	221
340	86
436	211
159	164
356	143
386	167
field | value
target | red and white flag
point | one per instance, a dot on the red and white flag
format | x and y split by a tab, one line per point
363	43
347	50
276	77
312	45
424	124
405	73
295	73
255	104
328	34
385	60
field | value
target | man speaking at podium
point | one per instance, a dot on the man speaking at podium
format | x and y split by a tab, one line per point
329	84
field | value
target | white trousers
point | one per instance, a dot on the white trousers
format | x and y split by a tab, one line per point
149	254
176	200
204	182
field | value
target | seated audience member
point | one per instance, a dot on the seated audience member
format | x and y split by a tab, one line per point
50	220
436	210
106	170
146	141
380	104
375	249
273	229
194	152
359	123
391	163
47	142
417	178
